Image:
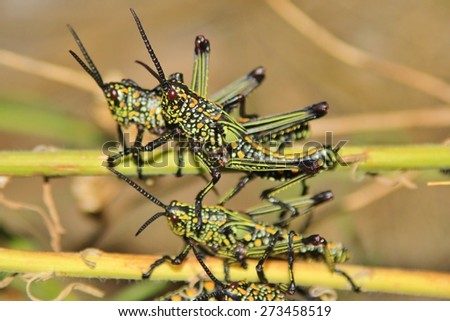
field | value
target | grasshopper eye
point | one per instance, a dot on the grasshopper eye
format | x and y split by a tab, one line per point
174	219
112	93
172	94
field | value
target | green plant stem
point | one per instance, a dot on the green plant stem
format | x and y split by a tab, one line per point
413	157
89	162
129	266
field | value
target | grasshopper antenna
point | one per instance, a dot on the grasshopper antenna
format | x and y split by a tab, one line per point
139	189
150	221
146	195
90	68
150	70
162	77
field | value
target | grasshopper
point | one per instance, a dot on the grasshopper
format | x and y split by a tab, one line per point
235	237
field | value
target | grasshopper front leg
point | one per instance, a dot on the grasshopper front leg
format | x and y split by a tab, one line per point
166	258
135	150
215	173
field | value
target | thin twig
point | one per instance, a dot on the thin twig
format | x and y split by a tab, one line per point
443	183
49	202
47	70
31	278
429	117
370	193
55	235
356	57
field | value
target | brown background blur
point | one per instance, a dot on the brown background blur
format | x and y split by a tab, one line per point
408	228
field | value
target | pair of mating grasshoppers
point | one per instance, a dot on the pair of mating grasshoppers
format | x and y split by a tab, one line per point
173	110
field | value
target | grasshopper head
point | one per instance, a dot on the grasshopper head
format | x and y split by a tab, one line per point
180	218
115	94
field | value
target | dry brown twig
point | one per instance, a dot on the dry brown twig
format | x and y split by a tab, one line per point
31	278
47	70
356	57
50	217
370	193
378	122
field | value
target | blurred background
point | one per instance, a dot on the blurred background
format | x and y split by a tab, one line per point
382	225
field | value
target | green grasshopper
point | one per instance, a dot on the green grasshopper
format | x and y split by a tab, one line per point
215	138
281	129
235	237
